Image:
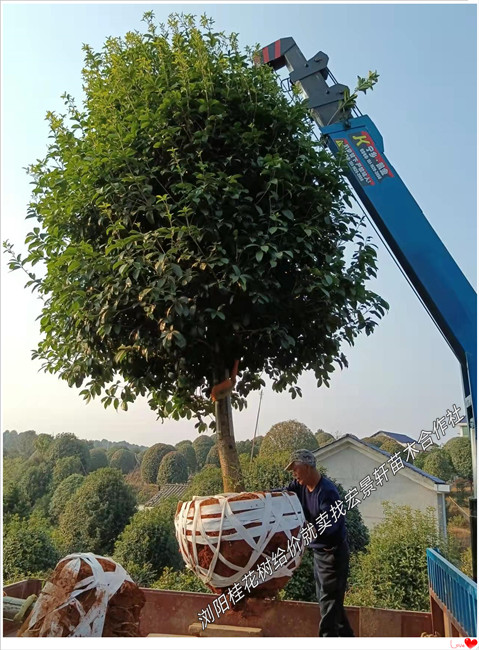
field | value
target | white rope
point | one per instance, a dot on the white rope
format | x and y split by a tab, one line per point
272	514
106	584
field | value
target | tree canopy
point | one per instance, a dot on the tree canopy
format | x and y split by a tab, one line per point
98	458
173	469
124	460
459	450
438	463
67	444
96	513
152	459
148	543
186	217
28	550
202	445
63	494
287	436
188	451
323	437
392	573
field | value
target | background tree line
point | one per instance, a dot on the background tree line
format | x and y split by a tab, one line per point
63	494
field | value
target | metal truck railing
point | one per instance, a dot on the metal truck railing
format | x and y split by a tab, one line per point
454	593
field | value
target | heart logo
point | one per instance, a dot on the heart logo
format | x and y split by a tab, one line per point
470	642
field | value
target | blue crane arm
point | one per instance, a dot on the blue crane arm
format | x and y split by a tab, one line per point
445	291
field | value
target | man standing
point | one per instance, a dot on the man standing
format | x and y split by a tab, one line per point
317	495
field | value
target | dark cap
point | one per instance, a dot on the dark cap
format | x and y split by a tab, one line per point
301	456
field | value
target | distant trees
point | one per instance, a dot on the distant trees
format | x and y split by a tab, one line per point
98	458
67	444
438	463
96	513
385	443
202	445
35	482
459	450
124	460
15	502
43	443
208	481
267	472
288	436
25	443
148	543
66	467
173	469
323	437
188	451
213	457
152	459
63	493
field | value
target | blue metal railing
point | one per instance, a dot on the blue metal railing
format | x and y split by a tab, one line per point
454	589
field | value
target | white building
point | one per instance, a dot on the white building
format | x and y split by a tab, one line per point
349	460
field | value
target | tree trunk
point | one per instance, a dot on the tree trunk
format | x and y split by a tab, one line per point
230	465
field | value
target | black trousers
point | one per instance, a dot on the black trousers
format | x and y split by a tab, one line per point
331	573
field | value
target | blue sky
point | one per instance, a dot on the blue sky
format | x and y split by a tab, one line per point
403	376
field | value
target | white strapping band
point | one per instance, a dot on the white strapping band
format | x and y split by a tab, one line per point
270	514
106	584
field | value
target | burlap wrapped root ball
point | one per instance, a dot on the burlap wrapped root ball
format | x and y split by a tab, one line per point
223	537
86	595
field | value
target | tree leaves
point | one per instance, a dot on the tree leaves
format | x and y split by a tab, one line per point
190	221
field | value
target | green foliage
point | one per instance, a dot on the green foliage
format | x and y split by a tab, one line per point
66	467
420	459
13	468
244	446
35	481
10	439
438	463
63	494
288	436
188	451
186	217
173	469
96	513
207	482
98	458
124	460
213	457
349	100
323	437
152	459
113	449
376	441
391	446
184	580
67	444
202	445
15	502
459	450
265	473
26	443
148	543
302	585
392	573
357	531
28	550
43	443
466	562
